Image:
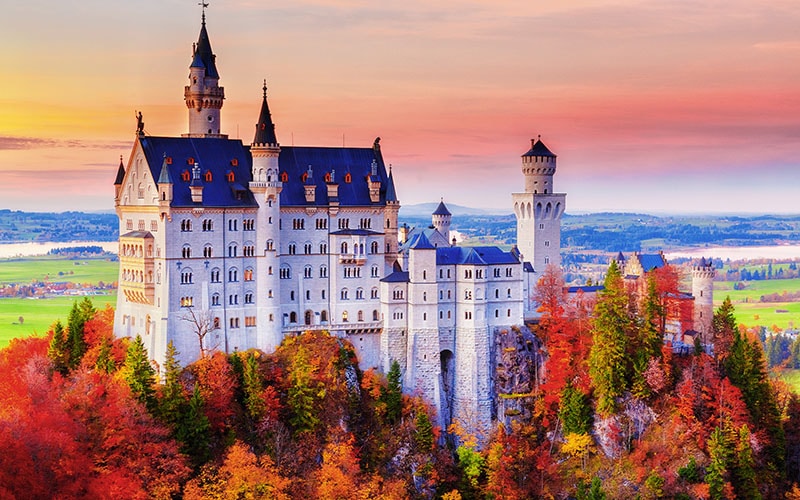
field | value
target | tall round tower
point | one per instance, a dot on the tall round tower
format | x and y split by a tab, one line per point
703	291
538	167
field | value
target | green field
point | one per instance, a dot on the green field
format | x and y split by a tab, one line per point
39	314
24	271
751	312
791	377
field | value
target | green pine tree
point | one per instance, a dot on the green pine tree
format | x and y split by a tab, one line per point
57	351
717	470
392	396
173	401
424	434
744	476
193	430
303	394
574	411
139	374
78	316
608	359
724	327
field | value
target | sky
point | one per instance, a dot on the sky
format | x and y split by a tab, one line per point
651	106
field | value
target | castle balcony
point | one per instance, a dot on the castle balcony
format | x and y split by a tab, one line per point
338	328
358	259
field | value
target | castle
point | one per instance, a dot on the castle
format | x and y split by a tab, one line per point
226	246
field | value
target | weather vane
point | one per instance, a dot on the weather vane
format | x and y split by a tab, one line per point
203	5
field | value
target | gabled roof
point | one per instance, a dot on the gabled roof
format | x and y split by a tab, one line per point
204	54
538	149
422	243
215	155
265	129
650	261
441	209
339	162
480	256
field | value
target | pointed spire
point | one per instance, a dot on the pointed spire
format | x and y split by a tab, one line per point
391	195
203	53
538	148
265	129
120	172
422	243
164	177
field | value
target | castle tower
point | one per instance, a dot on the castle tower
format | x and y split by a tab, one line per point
539	209
703	291
203	95
392	229
266	187
423	372
440	219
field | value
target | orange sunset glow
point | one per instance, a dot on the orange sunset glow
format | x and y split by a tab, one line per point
651	106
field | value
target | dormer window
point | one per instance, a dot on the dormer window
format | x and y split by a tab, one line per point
186	176
328	177
230	176
304	177
348	178
235	162
284	177
208	177
169	160
190	161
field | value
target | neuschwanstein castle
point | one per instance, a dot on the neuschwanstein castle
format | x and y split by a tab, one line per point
252	243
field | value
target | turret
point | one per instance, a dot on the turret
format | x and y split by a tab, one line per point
538	167
165	189
440	219
203	95
392	229
703	291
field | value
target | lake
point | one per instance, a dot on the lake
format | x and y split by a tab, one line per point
778	252
28	249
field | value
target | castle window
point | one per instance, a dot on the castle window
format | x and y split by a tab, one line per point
348	178
233	225
248	298
307	272
249	251
344	316
207	251
344	223
129	225
233	275
424	316
375	315
373	248
233	250
292	317
186	225
322	223
307	248
448	314
448	273
424	296
547	243
344	247
508	313
441	294
509	272
323	248
373	293
541	226
249	321
271	317
140	191
286	272
497	273
496	313
292	248
328	177
270	245
467	273
323	271
215	275
234	322
248	274
468	294
360	315
187	301
547	260
360	294
186	176
208	176
441	314
284	177
397	294
509	293
215	299
233	299
448	294
343	294
190	161
468	315
375	271
208	225
231	176
323	294
308	294
141	225
235	162
497	294
186	252
304	177
424	274
298	224
186	277
323	316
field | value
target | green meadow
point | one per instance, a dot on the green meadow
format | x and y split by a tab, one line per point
751	312
38	314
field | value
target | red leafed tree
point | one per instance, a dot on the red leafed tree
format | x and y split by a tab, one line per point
339	475
218	384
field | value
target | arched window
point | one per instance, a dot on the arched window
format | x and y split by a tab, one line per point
233	275
374	315
208	176
186	252
344	247
360	315
344	316
373	247
248	274
323	316
284	177
292	317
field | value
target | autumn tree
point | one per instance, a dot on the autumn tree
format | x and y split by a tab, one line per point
139	374
608	363
202	323
253	386
173	399
304	393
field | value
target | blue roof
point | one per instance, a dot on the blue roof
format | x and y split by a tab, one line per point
203	50
356	232
650	261
120	173
481	256
441	209
396	277
215	155
265	129
294	161
422	243
585	288
391	195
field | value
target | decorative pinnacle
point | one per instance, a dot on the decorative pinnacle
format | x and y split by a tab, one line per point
265	88
203	5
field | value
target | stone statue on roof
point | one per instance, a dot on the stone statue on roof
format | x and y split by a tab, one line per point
139	124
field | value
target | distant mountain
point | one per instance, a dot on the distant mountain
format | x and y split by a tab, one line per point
426	209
